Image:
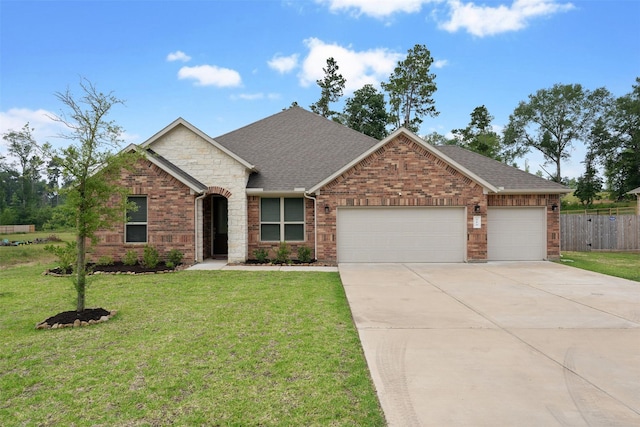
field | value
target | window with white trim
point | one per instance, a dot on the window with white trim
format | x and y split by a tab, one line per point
281	219
136	222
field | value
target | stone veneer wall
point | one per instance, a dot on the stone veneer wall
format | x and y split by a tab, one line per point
532	200
170	215
402	173
216	169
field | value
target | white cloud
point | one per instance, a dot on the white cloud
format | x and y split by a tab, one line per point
44	128
358	68
484	21
440	63
284	64
178	56
211	75
375	8
255	96
248	96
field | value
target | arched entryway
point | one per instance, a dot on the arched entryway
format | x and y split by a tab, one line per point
215	226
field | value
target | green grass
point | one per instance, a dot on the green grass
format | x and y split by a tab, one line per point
11	256
188	348
619	264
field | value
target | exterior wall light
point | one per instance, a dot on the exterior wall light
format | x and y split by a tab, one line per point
326	209
554	207
476	208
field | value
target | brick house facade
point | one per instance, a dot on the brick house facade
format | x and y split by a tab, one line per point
204	194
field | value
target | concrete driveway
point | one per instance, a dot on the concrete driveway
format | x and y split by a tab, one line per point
498	344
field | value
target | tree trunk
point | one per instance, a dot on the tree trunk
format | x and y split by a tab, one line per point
81	274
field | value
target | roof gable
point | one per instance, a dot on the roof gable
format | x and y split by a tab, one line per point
182	122
494	176
403	132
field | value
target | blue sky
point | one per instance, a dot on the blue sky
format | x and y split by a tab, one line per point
224	64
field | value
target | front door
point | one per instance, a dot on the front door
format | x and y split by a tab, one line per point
219	225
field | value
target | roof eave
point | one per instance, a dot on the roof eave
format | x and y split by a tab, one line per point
152	159
534	191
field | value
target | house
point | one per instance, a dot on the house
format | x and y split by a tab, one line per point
300	178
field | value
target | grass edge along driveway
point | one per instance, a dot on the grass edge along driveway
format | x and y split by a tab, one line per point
619	264
191	348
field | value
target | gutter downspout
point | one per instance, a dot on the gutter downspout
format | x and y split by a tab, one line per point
195	225
315	224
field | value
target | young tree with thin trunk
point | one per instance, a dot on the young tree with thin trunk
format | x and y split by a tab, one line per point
92	167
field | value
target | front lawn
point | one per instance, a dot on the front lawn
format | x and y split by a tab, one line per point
188	348
619	264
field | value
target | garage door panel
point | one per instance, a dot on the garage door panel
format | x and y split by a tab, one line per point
516	234
401	234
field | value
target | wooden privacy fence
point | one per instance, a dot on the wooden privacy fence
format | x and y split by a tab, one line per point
599	232
10	229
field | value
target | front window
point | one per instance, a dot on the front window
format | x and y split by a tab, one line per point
136	225
282	219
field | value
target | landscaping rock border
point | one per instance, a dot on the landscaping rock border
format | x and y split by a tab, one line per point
74	319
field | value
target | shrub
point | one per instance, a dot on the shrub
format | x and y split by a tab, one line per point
105	260
170	265
67	254
282	254
262	255
150	257
174	257
130	258
304	254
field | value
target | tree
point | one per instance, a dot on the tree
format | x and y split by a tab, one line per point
366	112
22	146
411	88
615	140
435	138
92	168
551	121
479	136
589	184
331	86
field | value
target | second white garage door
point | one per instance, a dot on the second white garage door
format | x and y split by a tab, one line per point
516	234
399	234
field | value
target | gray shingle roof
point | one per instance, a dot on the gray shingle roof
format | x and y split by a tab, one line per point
295	148
499	174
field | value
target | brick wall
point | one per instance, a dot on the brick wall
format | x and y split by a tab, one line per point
170	216
401	173
253	203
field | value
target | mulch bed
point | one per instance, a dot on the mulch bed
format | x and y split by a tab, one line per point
74	319
117	268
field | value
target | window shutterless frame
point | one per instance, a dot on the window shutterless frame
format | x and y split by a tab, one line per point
136	220
282	219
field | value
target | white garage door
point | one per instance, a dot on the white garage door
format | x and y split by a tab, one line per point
399	234
516	234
